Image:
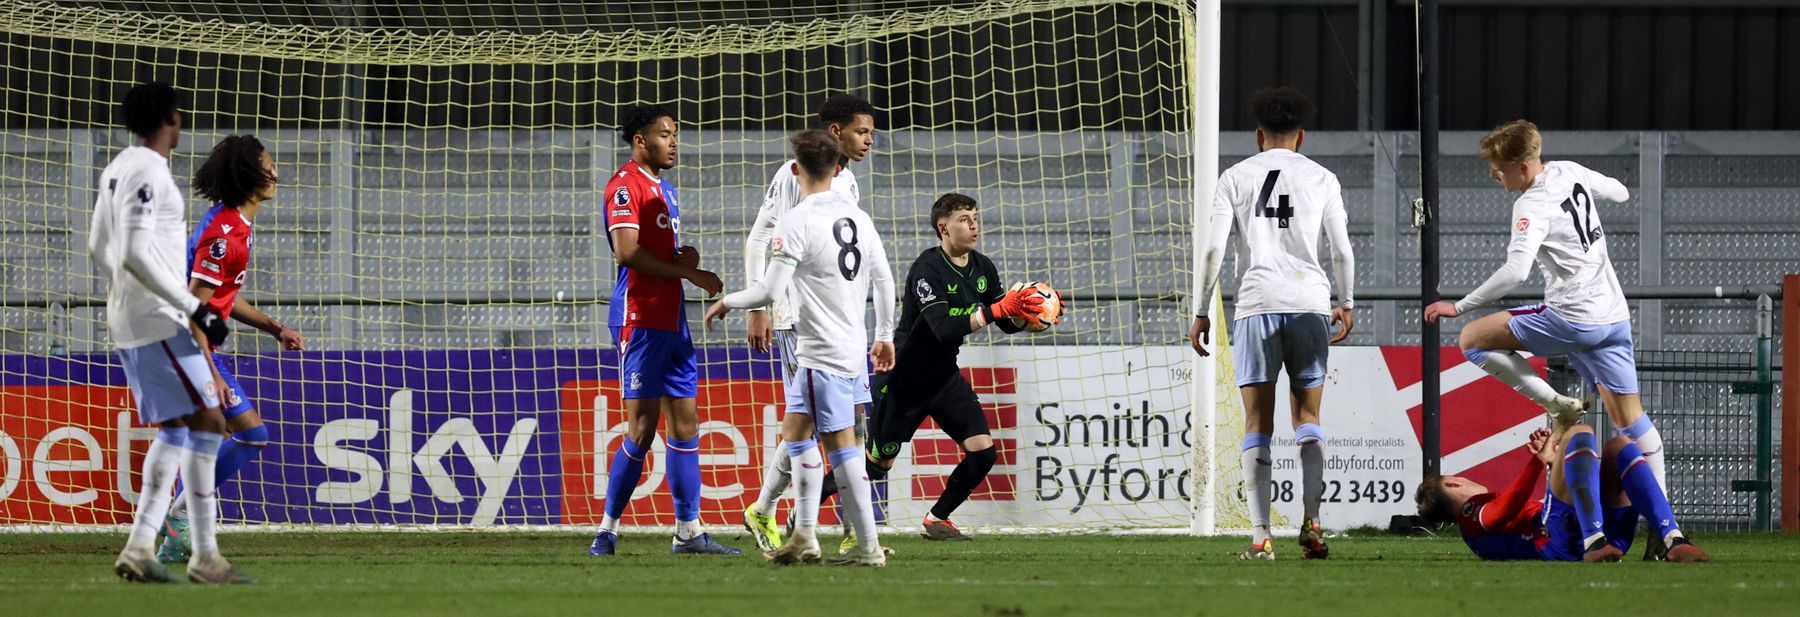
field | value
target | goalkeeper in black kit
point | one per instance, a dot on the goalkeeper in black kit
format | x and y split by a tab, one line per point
950	291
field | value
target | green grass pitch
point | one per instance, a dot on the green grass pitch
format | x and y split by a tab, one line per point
485	574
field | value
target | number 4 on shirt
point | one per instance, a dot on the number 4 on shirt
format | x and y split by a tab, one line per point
1283	211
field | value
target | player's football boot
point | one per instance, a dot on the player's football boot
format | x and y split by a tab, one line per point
1260	551
799	549
604	544
176	546
702	544
1601	551
763	528
873	559
1312	540
1654	549
848	545
218	573
1683	551
1564	412
142	569
943	531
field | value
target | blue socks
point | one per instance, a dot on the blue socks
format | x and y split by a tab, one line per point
1646	496
1581	472
243	447
684	478
622	477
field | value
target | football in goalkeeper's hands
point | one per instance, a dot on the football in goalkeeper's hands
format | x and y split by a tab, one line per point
1052	311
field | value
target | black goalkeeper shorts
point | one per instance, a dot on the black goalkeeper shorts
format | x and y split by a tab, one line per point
901	408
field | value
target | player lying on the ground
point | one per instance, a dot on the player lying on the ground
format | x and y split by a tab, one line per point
826	250
1280	201
160	329
850	121
1592	516
657	372
951	291
238	177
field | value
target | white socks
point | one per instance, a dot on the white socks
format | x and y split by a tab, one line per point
1513	370
777	474
856	497
687	530
160	466
198	467
809	469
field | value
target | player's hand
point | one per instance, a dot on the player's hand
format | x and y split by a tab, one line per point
1539	446
707	282
1022	303
1200	335
716	311
211	324
882	354
1345	319
761	331
687	257
220	388
290	339
1439	309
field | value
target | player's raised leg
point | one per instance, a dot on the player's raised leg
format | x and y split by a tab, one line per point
1490	344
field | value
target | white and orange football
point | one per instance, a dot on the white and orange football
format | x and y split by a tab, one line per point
1052	311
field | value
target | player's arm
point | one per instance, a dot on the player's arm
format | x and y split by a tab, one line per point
775	279
141	259
627	252
250	315
1211	256
1602	186
881	278
1507	507
995	294
1529	230
756	245
1343	267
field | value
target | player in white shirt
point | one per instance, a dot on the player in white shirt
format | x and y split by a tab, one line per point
826	258
851	121
1584	315
138	238
1280	202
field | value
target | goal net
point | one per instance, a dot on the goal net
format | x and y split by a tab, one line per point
436	238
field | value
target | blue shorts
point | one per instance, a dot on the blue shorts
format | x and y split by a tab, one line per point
169	379
1601	354
656	363
1262	344
239	401
786	343
1565	534
829	398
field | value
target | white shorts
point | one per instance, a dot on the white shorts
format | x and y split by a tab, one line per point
829	398
786	343
169	378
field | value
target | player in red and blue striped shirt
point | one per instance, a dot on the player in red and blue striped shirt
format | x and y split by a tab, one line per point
657	371
238	176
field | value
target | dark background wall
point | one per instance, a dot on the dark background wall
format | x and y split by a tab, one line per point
1598	65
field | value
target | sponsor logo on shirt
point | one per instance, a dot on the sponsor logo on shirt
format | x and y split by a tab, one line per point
144	194
217	250
924	291
622	212
981	284
227	228
622	197
240	277
210	266
1522	225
